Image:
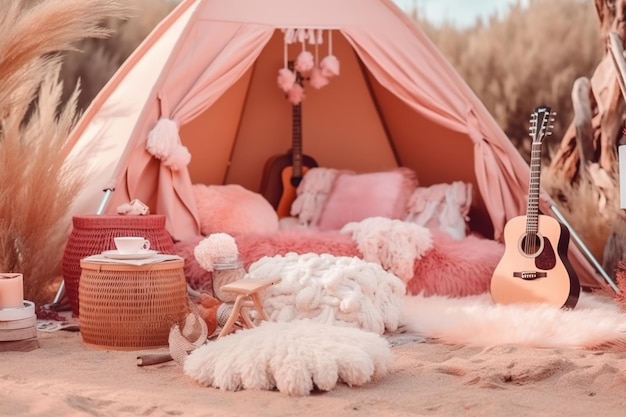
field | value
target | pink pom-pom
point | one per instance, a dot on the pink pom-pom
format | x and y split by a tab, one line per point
304	62
178	159
286	79
213	248
296	94
330	66
317	79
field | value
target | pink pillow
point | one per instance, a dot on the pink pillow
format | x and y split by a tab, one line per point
355	197
232	208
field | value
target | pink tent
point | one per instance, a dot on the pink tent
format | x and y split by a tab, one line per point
206	78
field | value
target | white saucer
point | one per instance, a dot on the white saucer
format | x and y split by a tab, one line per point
114	254
18	313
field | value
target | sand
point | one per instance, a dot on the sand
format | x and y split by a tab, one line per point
64	377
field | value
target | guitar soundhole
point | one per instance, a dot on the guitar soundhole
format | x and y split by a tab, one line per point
531	244
295	181
534	245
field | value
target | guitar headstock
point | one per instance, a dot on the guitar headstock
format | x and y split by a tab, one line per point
541	123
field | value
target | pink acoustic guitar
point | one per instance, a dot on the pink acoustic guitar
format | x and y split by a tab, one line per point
535	267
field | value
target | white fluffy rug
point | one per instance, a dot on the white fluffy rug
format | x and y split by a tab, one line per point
294	357
477	321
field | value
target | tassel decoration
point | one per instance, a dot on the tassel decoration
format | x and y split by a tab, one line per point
163	138
178	159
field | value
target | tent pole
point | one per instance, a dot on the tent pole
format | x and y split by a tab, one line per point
585	250
105	200
59	297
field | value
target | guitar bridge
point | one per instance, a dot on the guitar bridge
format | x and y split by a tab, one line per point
529	275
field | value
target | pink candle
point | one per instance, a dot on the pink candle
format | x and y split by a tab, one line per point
11	290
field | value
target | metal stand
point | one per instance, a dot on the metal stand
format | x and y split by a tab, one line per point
585	250
60	298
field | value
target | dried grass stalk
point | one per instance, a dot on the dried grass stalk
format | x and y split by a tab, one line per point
579	203
37	187
620	277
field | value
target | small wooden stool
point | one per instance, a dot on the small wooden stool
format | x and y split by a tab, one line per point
248	295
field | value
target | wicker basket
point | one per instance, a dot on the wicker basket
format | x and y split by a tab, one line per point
128	307
93	234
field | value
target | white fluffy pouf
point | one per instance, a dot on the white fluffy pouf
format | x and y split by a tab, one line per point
294	357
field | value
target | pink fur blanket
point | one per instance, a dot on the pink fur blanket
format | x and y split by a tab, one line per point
452	267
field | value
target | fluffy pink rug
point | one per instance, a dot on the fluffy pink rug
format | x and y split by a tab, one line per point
255	246
456	267
452	267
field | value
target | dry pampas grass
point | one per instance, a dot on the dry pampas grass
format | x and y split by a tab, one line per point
37	186
581	203
98	59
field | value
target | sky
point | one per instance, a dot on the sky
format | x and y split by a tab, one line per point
462	13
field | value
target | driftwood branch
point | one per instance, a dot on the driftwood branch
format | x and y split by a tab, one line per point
581	100
153	359
616	49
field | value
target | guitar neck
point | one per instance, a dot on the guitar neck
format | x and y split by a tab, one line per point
540	127
296	147
532	210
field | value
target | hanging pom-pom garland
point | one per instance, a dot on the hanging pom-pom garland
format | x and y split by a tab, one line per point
306	64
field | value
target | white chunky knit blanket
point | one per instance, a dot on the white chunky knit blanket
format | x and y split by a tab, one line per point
331	289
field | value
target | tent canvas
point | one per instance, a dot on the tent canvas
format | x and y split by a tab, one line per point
211	67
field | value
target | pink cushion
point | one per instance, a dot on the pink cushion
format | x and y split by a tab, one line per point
232	208
355	197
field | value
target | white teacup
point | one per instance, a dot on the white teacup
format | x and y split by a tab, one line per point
131	244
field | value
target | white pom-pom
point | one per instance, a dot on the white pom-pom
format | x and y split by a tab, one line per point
304	62
317	79
286	79
163	138
296	94
330	66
